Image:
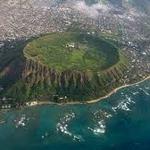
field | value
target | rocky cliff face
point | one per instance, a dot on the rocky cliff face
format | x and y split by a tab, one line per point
25	79
37	81
35	72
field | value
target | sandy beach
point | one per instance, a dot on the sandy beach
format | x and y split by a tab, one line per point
35	103
117	89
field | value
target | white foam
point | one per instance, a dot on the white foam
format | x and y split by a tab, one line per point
145	92
62	127
21	122
102	113
99	129
147	88
135	93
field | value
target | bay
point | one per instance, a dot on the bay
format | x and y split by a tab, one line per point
120	122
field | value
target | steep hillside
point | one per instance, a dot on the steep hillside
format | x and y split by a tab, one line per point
64	67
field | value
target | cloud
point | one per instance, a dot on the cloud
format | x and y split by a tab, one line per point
90	10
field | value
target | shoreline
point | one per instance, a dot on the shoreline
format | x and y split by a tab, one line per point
36	103
116	90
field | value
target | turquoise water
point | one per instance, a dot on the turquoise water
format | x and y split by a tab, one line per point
121	122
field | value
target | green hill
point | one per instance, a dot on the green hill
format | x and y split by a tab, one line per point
64	67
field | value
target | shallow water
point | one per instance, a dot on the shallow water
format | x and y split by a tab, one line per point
121	122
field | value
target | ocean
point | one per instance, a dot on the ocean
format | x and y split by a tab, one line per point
120	122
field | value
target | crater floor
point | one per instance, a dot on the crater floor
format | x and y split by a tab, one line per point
72	51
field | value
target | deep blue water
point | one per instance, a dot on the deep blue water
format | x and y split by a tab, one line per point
121	122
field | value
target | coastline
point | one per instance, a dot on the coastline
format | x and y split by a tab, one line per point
36	103
116	90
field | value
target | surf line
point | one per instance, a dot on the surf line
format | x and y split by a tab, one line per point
35	103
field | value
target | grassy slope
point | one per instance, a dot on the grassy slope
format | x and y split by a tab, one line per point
53	55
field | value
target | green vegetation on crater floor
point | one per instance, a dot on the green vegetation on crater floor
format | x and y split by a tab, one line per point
64	67
73	51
